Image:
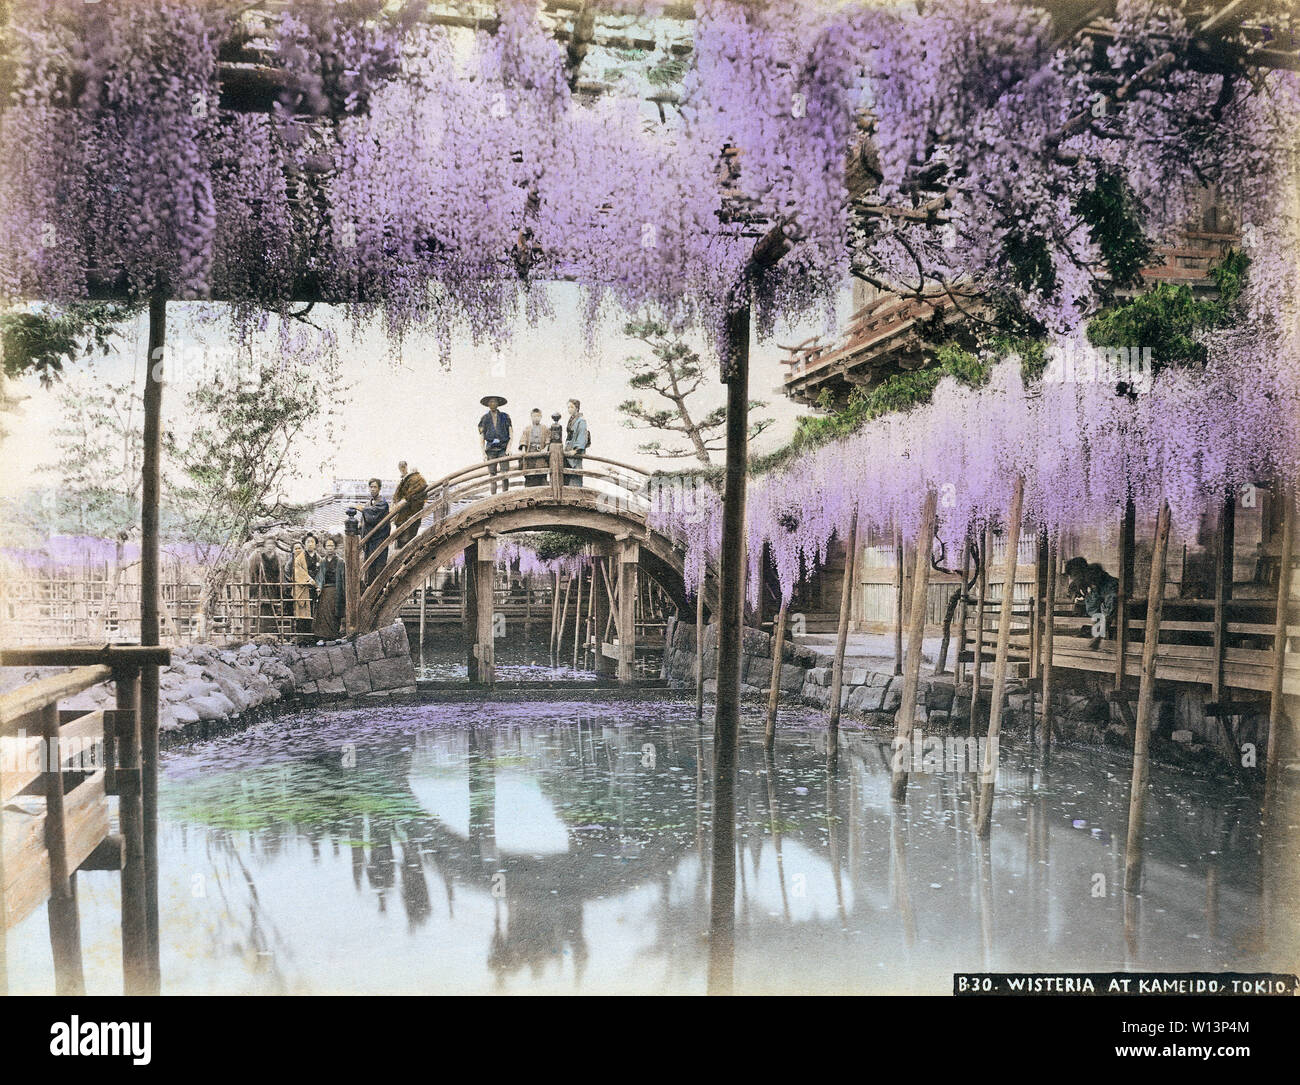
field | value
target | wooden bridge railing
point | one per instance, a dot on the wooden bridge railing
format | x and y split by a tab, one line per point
618	482
62	766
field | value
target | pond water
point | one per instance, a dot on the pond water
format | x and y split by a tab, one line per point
520	657
555	847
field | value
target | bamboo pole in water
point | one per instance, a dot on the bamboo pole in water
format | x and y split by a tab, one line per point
555	613
424	601
963	607
977	652
1146	701
915	641
1049	634
1276	716
842	636
774	689
577	618
988	769
591	615
699	650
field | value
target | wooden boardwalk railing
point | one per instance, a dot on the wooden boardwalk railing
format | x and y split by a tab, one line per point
57	772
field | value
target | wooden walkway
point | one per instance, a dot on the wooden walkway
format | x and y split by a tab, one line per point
58	770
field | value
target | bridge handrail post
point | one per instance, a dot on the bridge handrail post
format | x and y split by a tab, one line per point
351	571
556	468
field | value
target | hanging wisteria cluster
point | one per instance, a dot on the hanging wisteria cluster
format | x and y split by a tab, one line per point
436	174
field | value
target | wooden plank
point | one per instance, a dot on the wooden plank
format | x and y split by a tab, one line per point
24	700
78	655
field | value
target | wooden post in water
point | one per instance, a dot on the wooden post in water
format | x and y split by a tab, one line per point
589	628
469	612
485	568
1049	634
963	607
731	618
915	641
841	637
699	648
1127	545
1276	713
555	614
774	689
136	971
600	615
977	653
898	600
1223	573
629	553
941	663
988	768
1146	701
424	600
61	909
577	619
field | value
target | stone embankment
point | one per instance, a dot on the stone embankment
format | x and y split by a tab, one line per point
1085	711
210	685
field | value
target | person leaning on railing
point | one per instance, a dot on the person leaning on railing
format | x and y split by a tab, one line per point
533	441
408	501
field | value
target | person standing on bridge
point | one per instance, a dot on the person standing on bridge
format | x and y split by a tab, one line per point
329	583
536	437
408	500
576	440
374	512
496	433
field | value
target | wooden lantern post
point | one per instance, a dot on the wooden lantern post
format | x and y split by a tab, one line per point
1146	702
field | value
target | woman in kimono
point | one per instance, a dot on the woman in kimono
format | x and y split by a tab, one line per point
304	587
371	514
329	583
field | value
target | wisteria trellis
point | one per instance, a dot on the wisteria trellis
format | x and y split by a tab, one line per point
438	175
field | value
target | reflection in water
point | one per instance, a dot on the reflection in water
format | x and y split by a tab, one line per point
565	846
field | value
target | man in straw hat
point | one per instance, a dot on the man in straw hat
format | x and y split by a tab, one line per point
496	432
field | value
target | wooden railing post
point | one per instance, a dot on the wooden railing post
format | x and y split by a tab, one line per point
556	468
65	925
351	572
136	971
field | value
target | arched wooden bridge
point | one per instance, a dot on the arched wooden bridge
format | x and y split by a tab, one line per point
604	501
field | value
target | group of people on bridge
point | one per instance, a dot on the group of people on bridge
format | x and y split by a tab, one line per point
307	592
497	438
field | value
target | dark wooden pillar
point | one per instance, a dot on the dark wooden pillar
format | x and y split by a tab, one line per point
981	599
1049	635
1146	702
699	648
731	616
774	687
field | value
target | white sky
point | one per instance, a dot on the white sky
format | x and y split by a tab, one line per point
411	408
